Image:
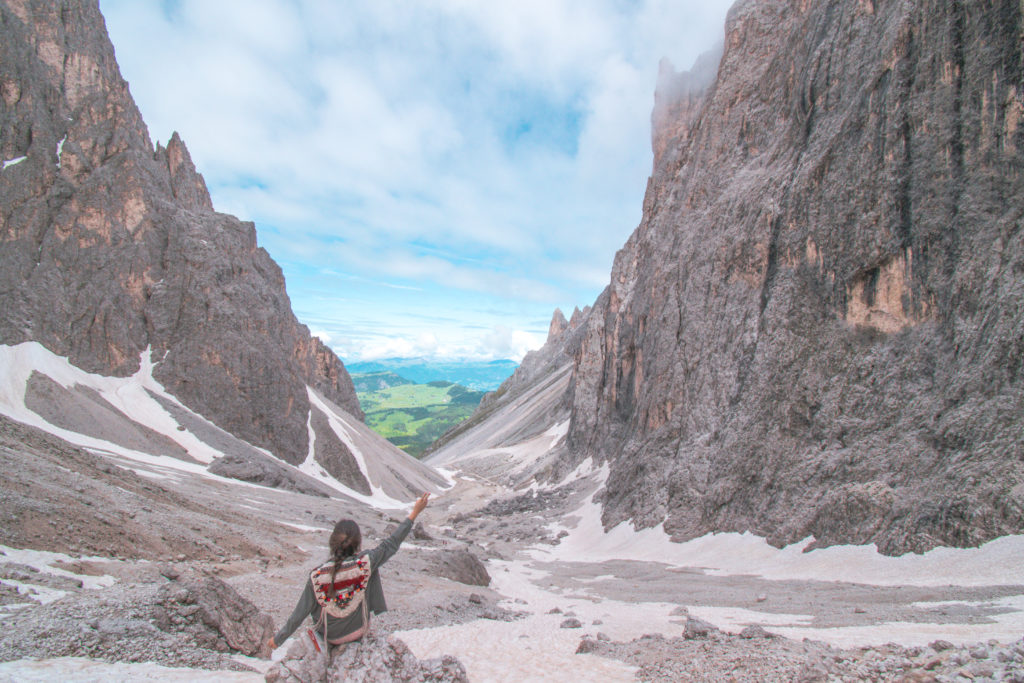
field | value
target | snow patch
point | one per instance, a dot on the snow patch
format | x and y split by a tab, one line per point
531	649
44	595
998	562
12	162
43	561
60	148
129	395
304	527
377	498
81	670
448	475
536	647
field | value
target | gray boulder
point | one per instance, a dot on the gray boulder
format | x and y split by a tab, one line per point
260	469
696	628
214	614
373	659
459	565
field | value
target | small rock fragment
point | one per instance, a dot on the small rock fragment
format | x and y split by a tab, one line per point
754	631
695	628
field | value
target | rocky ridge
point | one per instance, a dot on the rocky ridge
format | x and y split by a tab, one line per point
525	411
112	248
816	328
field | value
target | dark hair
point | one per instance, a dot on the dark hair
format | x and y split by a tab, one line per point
345	541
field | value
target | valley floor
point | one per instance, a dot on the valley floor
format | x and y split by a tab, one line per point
566	601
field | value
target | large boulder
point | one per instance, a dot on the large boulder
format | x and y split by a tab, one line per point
459	565
374	659
213	613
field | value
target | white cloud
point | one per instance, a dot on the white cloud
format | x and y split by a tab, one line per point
321	335
497	343
499	149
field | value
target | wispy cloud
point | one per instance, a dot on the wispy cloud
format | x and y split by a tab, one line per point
496	152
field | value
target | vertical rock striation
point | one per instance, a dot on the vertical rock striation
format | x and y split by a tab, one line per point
110	247
817	328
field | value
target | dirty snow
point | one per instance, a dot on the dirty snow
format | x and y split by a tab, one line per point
129	395
998	562
12	162
81	670
44	560
377	498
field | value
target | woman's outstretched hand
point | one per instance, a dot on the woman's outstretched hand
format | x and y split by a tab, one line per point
418	506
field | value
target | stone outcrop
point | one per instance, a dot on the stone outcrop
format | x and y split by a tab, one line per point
111	247
369	660
460	565
212	613
816	328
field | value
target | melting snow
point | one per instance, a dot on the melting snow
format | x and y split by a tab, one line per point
304	527
129	395
80	670
44	560
377	497
12	162
998	562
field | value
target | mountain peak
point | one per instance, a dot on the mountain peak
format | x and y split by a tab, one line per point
558	325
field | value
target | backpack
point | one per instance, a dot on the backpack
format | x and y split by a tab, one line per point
350	582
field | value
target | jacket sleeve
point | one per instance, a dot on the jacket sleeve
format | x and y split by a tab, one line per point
389	546
301	611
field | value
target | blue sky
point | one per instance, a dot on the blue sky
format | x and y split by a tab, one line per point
434	178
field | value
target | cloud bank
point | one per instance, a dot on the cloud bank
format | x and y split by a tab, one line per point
434	178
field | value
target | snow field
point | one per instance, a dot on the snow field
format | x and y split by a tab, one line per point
127	394
536	648
998	562
82	670
131	396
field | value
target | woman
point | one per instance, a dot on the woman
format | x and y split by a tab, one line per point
344	543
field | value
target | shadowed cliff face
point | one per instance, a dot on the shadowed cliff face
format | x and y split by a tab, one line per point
817	328
110	247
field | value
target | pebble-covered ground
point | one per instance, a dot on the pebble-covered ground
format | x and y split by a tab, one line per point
102	599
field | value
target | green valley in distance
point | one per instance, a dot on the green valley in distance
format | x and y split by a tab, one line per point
412	416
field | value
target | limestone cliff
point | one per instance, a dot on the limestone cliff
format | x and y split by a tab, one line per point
818	327
111	247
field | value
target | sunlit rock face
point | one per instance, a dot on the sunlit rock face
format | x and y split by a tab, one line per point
817	329
110	246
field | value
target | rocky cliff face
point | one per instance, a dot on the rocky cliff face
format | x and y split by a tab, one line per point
817	328
516	435
110	247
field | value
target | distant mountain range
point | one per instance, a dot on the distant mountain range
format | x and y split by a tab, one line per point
476	375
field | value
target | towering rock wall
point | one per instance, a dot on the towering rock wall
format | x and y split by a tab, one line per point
817	328
110	247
